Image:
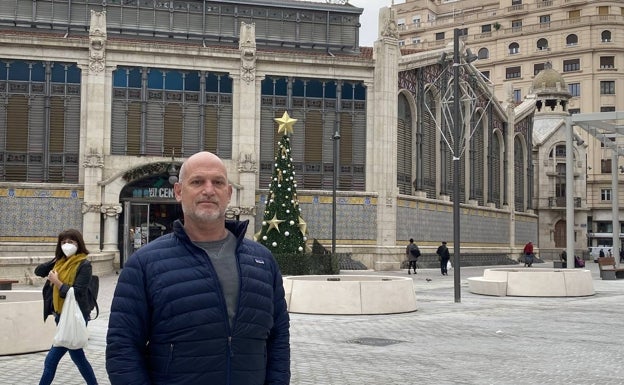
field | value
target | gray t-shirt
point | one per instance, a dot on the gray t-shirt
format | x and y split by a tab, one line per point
222	254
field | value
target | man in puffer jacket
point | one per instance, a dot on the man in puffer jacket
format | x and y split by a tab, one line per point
202	305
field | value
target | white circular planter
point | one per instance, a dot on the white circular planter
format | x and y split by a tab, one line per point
352	294
533	282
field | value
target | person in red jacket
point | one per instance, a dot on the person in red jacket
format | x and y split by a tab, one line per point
528	254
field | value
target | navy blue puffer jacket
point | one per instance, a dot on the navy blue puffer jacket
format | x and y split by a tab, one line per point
169	323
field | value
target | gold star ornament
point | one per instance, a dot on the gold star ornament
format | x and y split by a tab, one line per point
274	223
303	226
285	124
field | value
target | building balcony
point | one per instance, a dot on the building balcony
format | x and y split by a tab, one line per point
560	202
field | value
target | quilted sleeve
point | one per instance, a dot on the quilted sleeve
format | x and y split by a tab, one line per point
278	344
126	340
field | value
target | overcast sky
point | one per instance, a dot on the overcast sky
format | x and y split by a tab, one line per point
369	19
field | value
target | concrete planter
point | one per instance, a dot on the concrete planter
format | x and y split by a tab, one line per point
353	294
21	323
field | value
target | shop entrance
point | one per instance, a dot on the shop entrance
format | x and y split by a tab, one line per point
149	210
143	222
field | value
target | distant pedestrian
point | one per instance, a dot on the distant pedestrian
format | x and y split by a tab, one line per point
528	254
601	254
621	255
443	256
412	252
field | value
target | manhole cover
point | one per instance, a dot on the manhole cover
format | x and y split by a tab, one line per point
374	341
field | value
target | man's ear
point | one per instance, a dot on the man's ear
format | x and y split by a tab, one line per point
177	189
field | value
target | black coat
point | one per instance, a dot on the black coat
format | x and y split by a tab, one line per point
81	287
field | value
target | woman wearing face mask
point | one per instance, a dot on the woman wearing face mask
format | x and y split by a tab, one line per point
69	268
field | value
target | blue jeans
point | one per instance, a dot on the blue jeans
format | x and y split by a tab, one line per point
77	355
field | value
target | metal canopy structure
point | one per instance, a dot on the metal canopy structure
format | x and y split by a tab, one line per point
603	126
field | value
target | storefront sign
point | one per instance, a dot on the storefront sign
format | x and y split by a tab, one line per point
153	192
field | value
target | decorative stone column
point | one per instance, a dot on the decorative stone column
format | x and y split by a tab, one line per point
92	128
110	212
382	157
246	127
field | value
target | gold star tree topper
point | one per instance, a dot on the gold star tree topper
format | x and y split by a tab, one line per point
285	124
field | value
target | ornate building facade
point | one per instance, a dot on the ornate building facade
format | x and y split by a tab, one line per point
102	101
515	40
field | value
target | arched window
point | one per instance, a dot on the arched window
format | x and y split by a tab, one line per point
404	146
605	36
484	53
571	39
519	175
542	44
514	48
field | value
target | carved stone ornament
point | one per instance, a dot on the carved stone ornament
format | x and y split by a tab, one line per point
247	48
233	212
93	159
111	210
97	41
250	210
90	208
389	26
247	163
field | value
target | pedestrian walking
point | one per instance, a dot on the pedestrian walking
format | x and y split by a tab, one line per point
203	304
528	254
412	252
69	268
443	256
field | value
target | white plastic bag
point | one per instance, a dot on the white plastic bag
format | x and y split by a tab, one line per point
71	331
448	265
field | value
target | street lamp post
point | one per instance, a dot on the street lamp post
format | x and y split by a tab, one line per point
457	133
336	139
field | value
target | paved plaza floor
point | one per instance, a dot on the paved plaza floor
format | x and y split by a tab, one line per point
479	340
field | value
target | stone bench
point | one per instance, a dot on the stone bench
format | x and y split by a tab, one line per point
608	269
482	285
7	284
21	323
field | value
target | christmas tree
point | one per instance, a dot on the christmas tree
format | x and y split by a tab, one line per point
283	229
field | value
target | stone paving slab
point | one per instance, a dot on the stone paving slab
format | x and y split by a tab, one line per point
480	340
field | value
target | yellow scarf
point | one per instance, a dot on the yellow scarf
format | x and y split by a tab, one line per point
66	269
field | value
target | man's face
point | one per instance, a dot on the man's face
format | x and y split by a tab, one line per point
205	192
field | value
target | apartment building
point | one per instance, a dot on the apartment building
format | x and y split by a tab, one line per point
514	39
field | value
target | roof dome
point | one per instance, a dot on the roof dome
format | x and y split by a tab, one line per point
548	79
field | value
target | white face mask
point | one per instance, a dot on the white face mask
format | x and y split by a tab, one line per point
69	249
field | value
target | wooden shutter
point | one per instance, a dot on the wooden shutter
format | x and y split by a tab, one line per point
56	142
210	129
313	158
37	138
191	142
172	135
133	132
429	146
16	138
154	128
404	147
